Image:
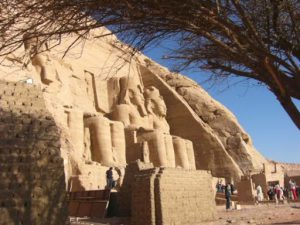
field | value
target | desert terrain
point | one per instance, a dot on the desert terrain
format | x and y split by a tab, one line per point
249	214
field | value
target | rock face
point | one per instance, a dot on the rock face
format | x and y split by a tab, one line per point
113	109
221	145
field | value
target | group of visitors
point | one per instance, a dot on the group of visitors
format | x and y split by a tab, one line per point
222	188
274	192
277	193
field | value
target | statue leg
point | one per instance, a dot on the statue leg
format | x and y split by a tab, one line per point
181	156
118	142
170	150
87	144
145	152
190	154
101	140
157	144
133	148
76	127
157	147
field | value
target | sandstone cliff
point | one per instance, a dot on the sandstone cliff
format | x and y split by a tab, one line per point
217	120
74	86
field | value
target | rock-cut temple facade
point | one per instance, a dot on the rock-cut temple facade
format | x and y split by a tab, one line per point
65	120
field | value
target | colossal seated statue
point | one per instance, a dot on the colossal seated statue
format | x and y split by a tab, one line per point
130	108
143	113
157	108
130	125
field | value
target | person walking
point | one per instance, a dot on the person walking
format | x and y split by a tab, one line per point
259	193
109	178
277	191
281	195
228	195
219	186
232	189
271	193
293	189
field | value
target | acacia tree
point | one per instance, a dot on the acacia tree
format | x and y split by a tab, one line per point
257	39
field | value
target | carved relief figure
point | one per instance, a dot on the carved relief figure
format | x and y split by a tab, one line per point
38	53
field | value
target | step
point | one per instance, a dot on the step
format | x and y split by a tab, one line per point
89	203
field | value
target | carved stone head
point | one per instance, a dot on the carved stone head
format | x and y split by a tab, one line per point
155	103
131	92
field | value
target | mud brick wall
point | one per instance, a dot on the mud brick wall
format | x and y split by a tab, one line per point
291	172
32	183
122	201
143	198
245	191
273	177
172	196
261	179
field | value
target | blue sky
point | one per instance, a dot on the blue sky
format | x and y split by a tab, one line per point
257	110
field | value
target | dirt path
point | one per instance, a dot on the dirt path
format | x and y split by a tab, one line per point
288	214
260	214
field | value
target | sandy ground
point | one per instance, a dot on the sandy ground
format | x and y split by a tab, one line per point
259	214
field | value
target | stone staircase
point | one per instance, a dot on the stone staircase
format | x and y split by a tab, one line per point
93	204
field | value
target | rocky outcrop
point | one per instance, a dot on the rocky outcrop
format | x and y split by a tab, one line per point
184	122
234	144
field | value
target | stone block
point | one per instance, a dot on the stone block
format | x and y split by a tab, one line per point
238	207
175	194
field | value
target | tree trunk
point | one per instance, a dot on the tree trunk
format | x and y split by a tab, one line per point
280	90
289	107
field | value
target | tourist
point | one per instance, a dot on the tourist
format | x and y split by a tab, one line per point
260	196
293	189
286	193
277	191
219	186
228	195
271	193
232	188
290	192
281	194
109	178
